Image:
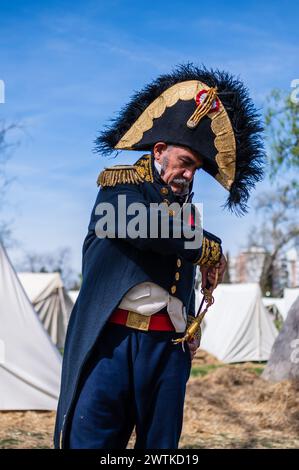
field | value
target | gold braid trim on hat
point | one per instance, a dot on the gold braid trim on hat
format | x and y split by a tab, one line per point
203	108
225	144
210	253
220	123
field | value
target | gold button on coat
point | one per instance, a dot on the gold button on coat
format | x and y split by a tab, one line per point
178	263
173	289
177	276
164	191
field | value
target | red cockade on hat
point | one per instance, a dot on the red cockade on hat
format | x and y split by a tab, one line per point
201	95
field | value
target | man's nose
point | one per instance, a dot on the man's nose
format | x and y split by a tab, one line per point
188	174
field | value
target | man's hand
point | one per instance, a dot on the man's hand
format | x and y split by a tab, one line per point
209	274
193	346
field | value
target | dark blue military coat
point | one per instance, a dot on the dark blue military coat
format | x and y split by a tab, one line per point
112	266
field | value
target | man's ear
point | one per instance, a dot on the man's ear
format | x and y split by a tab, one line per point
158	150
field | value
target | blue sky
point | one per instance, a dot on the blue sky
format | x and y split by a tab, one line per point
69	66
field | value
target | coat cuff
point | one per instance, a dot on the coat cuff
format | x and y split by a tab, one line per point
211	252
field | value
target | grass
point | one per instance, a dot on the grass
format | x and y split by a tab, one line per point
256	370
204	369
201	371
8	442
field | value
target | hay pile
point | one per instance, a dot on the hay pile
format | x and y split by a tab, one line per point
230	407
203	357
26	429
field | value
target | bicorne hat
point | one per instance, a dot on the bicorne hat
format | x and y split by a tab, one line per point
208	111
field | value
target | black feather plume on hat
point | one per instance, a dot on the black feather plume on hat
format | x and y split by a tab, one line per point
245	120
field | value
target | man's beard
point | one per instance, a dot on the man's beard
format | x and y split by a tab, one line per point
184	184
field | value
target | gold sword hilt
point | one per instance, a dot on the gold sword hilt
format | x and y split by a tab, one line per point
194	329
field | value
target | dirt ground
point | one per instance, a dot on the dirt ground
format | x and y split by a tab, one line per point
227	406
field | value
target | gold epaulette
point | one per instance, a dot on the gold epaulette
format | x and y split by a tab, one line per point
140	172
119	174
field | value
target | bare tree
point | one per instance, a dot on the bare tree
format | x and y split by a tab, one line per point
226	277
6	148
282	119
279	226
59	261
282	126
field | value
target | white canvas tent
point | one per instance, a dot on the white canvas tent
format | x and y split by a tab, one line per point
30	365
283	304
51	301
238	328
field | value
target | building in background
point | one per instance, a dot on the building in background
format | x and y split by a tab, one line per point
247	266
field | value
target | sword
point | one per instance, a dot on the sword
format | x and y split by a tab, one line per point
195	327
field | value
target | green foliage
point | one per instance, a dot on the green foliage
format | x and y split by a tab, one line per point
278	323
204	369
257	370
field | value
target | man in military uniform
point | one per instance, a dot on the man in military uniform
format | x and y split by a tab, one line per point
121	365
